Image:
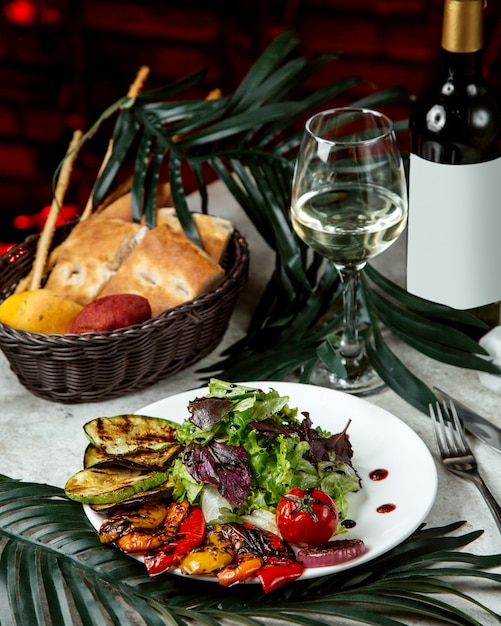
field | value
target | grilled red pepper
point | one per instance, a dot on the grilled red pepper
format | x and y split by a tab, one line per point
278	571
190	534
279	562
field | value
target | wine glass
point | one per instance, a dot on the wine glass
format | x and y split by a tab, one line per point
349	203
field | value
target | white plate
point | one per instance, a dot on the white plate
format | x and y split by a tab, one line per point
380	441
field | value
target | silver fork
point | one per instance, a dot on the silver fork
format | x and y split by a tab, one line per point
457	455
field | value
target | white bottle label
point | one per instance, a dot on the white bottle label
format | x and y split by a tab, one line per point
454	233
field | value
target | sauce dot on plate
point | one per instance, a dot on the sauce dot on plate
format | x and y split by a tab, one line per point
378	474
386	508
348	523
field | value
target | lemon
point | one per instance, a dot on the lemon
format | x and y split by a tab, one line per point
39	311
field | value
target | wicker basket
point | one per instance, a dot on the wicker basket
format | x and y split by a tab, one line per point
99	366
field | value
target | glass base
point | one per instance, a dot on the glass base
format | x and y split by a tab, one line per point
363	383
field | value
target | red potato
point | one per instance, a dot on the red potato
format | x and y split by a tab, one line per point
110	313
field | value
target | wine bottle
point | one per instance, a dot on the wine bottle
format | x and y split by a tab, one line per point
454	229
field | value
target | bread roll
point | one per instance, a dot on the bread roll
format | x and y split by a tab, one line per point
215	232
167	269
90	256
120	208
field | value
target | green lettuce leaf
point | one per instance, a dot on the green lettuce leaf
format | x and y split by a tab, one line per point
282	450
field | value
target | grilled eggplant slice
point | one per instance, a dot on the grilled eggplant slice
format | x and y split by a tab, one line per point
142	459
124	434
108	485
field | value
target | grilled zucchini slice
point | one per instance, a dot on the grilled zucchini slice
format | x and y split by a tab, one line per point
107	485
162	492
142	459
123	434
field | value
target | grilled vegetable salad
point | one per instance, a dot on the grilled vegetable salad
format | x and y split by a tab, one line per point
254	448
206	490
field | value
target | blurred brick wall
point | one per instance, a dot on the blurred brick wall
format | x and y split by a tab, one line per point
62	62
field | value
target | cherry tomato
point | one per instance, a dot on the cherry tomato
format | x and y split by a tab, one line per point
307	518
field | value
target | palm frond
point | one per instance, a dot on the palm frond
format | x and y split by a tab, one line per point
430	309
54	568
396	375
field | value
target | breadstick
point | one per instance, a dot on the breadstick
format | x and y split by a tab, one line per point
139	81
24	283
214	94
45	239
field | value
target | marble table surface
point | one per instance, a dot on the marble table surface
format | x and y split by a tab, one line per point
44	441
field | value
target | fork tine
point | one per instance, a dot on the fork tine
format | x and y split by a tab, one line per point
457	457
449	431
438	427
460	437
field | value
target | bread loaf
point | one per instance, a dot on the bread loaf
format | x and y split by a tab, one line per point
120	208
215	232
167	268
90	256
108	254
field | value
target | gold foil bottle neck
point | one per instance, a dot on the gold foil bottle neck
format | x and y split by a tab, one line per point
463	25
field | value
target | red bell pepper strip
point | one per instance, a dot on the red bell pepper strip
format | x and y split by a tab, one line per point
190	534
277	572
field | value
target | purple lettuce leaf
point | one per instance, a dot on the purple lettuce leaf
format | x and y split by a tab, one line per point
321	446
221	465
206	412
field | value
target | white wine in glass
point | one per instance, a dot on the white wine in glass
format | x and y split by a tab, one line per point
349	203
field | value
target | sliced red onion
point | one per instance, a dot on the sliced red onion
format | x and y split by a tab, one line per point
331	553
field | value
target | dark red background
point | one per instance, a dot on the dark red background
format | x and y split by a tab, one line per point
62	62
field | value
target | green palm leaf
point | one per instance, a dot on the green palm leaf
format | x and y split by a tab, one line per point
179	199
126	129
397	376
53	567
264	67
140	173
426	307
168	91
437	340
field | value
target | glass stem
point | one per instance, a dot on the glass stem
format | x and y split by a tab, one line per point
350	348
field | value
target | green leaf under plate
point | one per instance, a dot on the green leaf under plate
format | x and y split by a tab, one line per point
54	570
